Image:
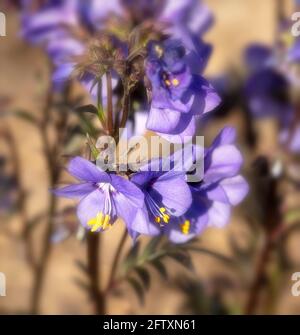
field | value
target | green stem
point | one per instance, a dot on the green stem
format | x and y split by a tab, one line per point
126	104
109	103
101	115
51	155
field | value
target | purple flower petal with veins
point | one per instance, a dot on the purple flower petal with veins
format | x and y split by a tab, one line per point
221	188
103	197
179	95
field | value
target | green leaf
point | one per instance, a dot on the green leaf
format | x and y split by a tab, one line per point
83	285
32	223
183	258
91	144
133	253
87	125
160	268
220	257
87	109
152	246
143	274
82	266
138	289
26	117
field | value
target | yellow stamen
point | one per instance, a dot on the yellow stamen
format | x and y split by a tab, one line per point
96	223
168	83
106	222
166	218
157	219
175	82
92	222
185	227
162	209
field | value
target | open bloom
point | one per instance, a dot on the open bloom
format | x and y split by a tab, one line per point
181	209
221	188
103	197
167	195
179	94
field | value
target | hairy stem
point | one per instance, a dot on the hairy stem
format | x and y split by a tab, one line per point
46	245
116	260
126	104
26	233
51	156
272	224
109	104
260	272
93	246
44	259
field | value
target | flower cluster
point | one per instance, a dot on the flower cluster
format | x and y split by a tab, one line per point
155	202
179	94
65	27
137	56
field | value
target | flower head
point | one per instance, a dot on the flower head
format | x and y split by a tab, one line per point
103	197
167	195
213	197
179	94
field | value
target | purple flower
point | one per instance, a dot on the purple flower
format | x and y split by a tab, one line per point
266	89
179	94
50	21
167	195
257	56
183	19
213	197
293	55
103	197
290	137
267	94
63	27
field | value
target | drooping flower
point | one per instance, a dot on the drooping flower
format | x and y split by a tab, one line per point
180	95
103	197
266	89
267	93
221	188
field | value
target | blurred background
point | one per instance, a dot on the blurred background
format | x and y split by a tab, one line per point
227	267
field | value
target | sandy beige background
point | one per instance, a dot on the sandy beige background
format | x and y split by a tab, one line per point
22	76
